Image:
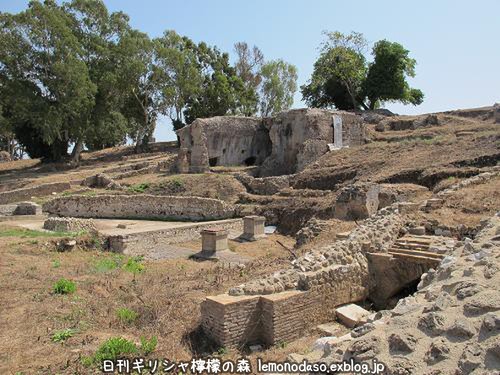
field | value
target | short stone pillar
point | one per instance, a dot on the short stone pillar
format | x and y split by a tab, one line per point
213	240
253	228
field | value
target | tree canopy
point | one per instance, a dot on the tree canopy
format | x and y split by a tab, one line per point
342	77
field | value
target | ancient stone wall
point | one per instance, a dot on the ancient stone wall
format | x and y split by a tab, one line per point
264	185
140	207
35	191
283	144
315	284
300	136
223	140
142	243
69	224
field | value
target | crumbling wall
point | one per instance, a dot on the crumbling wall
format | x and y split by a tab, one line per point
283	144
222	140
140	207
316	283
264	185
69	224
301	136
26	193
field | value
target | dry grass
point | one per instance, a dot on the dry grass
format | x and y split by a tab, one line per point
166	297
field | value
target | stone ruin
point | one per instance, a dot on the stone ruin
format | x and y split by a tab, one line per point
272	309
283	144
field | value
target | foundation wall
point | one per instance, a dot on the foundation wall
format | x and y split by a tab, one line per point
140	207
139	243
35	191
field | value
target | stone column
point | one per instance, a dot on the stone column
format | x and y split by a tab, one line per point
253	228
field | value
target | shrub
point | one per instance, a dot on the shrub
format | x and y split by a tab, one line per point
64	286
108	264
134	266
56	263
139	188
63	335
113	348
148	346
126	316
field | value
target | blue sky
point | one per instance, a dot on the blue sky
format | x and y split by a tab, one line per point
455	42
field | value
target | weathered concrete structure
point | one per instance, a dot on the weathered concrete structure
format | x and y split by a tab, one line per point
283	144
223	140
69	224
253	228
140	207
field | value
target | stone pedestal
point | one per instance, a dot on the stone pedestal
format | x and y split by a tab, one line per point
212	241
253	228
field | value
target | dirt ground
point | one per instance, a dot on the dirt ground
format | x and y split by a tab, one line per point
166	297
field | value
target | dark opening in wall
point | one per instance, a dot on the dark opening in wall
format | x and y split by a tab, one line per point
213	161
250	161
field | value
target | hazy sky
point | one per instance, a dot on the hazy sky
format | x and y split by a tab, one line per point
456	42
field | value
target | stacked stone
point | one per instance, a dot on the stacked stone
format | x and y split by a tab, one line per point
452	322
323	265
69	224
478	179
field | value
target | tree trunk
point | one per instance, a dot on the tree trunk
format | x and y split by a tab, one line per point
77	150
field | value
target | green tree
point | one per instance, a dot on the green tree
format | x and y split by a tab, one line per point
177	58
339	72
248	67
146	101
221	89
342	78
99	33
279	83
386	80
41	69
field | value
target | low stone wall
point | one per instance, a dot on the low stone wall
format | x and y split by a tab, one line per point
69	224
316	283
264	185
140	207
141	243
35	191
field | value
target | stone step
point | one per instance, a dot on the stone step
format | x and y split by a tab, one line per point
416	252
415	258
410	247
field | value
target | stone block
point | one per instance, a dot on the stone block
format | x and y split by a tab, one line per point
350	315
407	207
419	231
213	240
253	228
28	208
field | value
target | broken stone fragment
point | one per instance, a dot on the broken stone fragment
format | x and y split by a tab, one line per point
431	324
438	351
462	329
402	343
470	358
364	349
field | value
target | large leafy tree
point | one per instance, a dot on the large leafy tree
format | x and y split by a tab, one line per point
386	79
248	67
343	79
221	89
279	83
147	81
48	83
176	57
99	33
